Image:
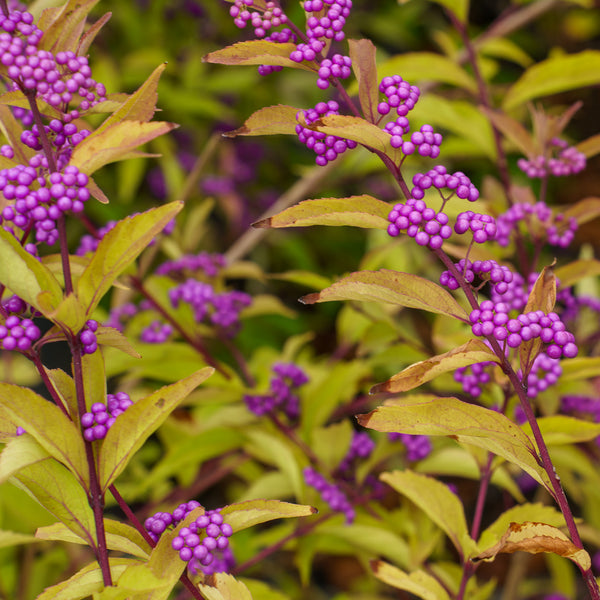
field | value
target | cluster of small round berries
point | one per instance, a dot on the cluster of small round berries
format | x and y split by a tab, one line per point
427	227
544	373
536	217
87	337
568	161
326	147
473	377
492	319
101	417
330	493
514	296
439	178
399	94
18	334
417	447
482	226
272	16
223	309
158	522
282	394
209	263
499	276
337	66
191	545
42	207
156	333
582	404
361	447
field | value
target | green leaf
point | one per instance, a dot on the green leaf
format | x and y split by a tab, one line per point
85	582
57	490
224	587
419	583
467	423
11	538
577	270
18	453
436	500
364	65
64	26
474	351
562	429
69	314
140	578
519	514
554	75
394	287
242	515
584	367
270	120
118	537
115	143
133	427
26	277
357	129
140	106
109	336
257	52
427	66
118	249
355	211
51	428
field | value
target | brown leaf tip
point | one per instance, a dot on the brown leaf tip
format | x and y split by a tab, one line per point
263	223
309	298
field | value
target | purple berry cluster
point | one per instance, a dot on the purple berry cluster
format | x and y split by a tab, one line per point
427	227
586	405
483	227
18	333
473	377
38	202
200	539
492	319
438	177
209	264
338	66
417	447
330	493
539	220
361	447
326	147
156	333
544	373
282	394
87	337
499	276
101	417
158	522
272	16
566	161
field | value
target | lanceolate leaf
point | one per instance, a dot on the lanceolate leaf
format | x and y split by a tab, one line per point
118	249
536	537
590	146
224	587
252	512
577	270
419	583
115	143
270	120
583	211
355	211
362	53
467	423
394	287
134	426
51	428
474	351
440	504
562	429
554	75
109	336
514	131
18	453
25	276
256	52
57	490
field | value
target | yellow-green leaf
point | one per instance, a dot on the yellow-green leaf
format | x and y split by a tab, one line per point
270	120
394	287
474	351
355	211
590	146
577	270
563	429
584	367
534	538
242	515
584	211
109	336
554	75
419	582
18	453
224	587
133	427
440	504
256	52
